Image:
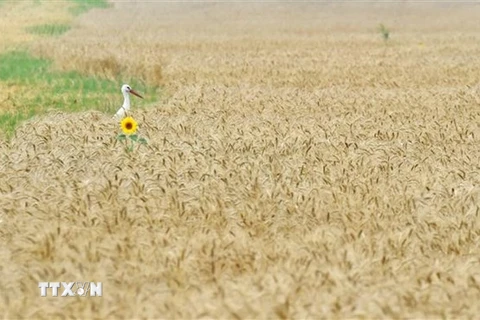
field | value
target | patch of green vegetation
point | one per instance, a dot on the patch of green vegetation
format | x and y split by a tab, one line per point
20	66
82	6
66	91
9	121
384	32
49	29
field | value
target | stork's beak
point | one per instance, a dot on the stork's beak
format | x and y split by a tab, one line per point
135	93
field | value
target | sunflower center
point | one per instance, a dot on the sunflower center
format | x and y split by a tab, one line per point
129	125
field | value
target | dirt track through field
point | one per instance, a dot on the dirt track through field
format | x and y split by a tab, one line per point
297	167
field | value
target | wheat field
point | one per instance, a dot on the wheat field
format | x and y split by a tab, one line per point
298	166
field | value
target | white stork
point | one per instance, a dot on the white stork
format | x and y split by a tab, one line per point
126	90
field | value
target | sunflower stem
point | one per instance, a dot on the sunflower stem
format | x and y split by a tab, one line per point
131	145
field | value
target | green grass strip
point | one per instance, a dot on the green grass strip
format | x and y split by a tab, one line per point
82	6
49	29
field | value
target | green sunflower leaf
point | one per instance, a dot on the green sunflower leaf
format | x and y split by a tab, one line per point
121	137
133	137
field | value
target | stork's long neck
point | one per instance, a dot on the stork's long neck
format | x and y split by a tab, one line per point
126	101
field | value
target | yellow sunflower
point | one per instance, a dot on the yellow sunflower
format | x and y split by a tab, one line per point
128	125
